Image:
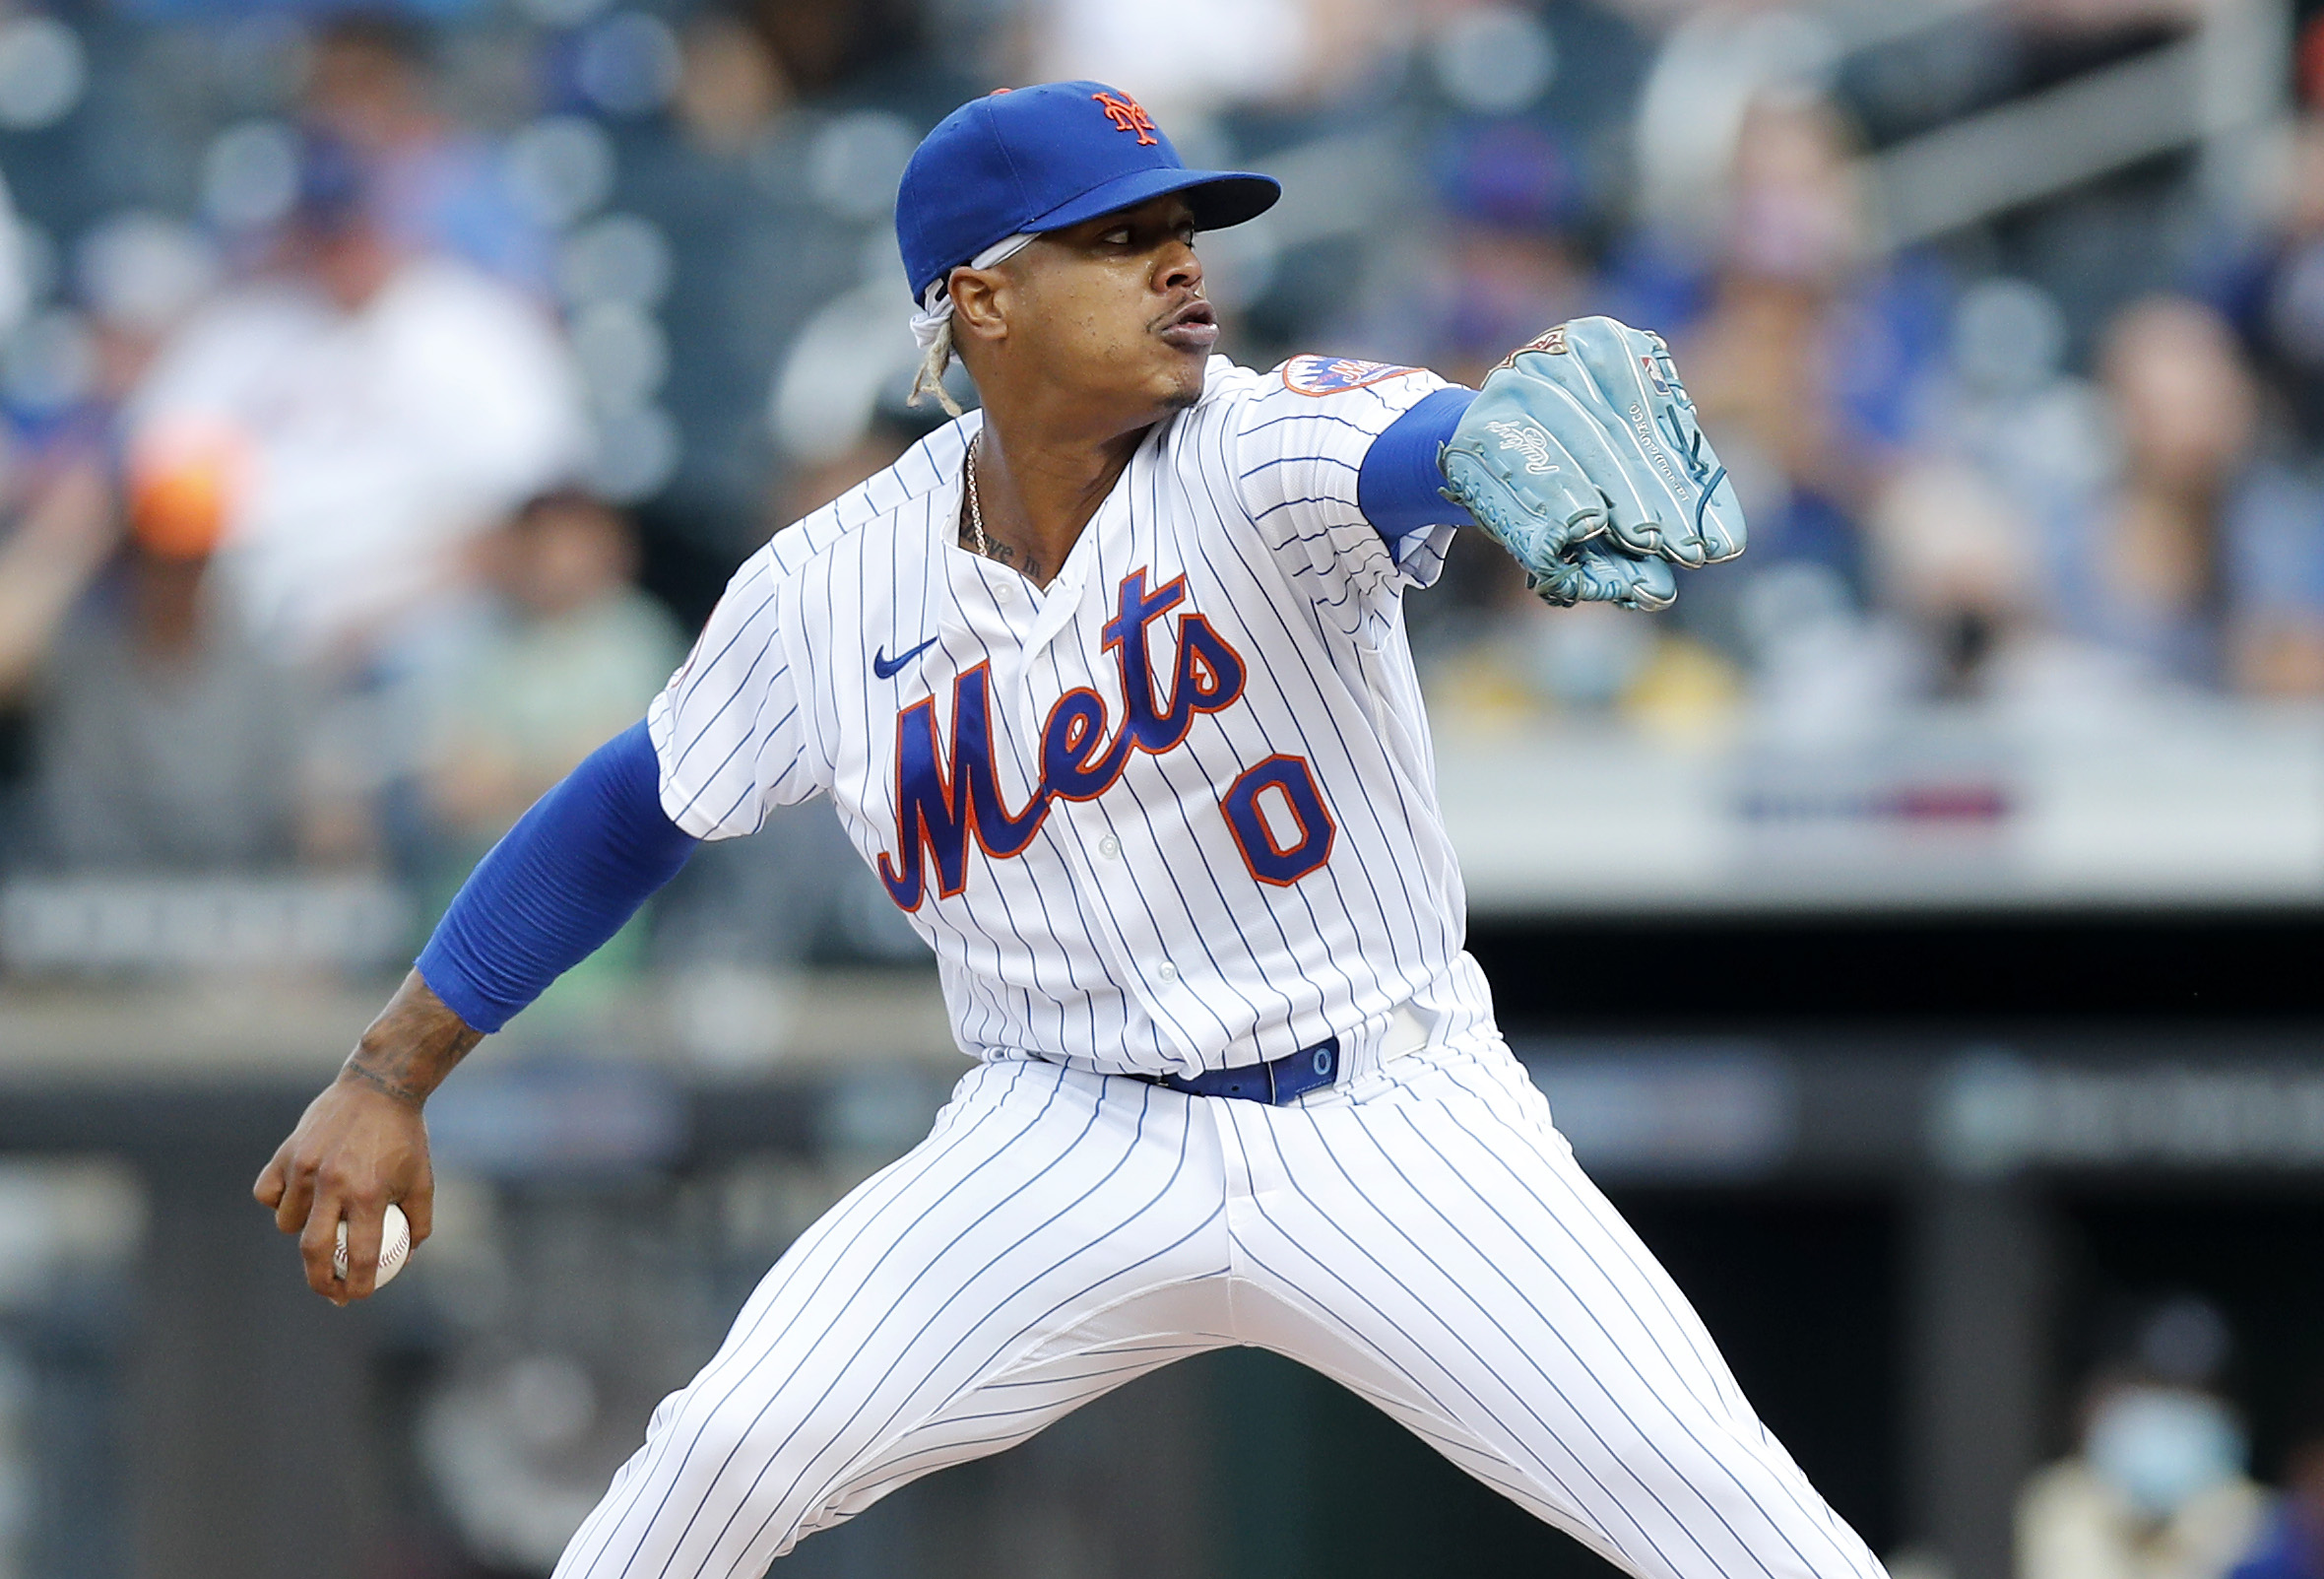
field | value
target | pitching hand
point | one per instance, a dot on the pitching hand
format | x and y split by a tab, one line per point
355	1150
362	1144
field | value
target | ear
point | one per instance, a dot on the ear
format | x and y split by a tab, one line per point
980	301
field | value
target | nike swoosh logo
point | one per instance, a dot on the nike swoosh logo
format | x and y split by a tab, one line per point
887	667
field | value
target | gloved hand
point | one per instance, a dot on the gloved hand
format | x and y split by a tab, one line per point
1582	457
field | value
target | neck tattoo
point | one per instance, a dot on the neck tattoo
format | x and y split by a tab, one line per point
983	543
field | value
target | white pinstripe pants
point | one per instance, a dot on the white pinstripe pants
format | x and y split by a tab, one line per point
1421	1234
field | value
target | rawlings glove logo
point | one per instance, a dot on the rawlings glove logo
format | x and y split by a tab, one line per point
1528	441
1553	342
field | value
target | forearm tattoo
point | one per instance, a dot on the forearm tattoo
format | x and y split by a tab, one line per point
381	1083
416	1042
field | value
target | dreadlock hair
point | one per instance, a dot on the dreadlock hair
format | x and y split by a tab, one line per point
930	379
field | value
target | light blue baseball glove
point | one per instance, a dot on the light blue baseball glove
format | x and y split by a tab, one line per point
1582	457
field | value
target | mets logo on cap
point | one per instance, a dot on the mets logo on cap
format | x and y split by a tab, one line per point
1127	114
1043	159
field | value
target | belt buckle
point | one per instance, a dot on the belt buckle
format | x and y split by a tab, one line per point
1324	1061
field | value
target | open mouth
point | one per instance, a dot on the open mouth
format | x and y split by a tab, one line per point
1192	327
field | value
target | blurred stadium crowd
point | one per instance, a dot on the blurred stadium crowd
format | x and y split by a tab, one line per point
361	362
2158	1485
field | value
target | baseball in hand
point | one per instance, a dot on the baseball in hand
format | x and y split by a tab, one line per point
395	1247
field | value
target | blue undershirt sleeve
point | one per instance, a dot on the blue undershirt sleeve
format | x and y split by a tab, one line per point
1397	488
566	878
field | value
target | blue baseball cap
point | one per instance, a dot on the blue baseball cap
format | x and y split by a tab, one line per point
1028	160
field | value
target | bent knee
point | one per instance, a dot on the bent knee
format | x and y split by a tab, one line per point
779	1456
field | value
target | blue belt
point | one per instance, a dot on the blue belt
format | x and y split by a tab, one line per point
1277	1081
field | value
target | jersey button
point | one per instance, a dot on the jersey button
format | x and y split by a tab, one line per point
1109	847
1003	593
1166	971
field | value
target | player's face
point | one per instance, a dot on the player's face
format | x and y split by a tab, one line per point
1112	311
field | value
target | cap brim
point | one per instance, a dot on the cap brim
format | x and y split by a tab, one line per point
1219	198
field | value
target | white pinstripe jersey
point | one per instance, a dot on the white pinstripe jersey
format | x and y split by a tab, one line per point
1175	811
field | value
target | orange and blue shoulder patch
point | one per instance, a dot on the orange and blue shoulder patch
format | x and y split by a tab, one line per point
1329	375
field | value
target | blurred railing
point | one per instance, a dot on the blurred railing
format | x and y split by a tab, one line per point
2222	85
2218	87
102	925
2189	803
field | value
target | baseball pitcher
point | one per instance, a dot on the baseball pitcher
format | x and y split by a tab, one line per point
1110	685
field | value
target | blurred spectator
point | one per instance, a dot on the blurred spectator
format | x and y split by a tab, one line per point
2274	290
393	403
835	52
2155	1488
739	257
2279	574
64	540
2007	446
1808	362
433	187
729	84
165	738
2291	1545
769	197
1811	360
893	427
1504	265
2199	559
1947	554
2040	440
2154	578
141	275
571	657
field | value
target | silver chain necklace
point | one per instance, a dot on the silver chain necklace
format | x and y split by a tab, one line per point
976	511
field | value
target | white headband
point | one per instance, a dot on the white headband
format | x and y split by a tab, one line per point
935	308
